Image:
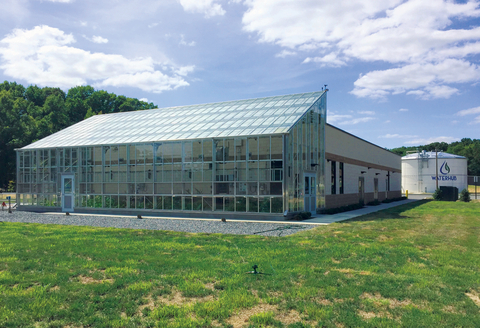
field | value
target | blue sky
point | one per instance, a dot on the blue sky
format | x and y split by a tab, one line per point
399	72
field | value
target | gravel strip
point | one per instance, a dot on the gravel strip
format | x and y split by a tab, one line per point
196	226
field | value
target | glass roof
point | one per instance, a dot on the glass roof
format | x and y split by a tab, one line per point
271	115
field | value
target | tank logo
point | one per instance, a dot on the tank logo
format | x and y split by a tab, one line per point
445	169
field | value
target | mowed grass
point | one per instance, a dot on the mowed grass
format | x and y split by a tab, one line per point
416	265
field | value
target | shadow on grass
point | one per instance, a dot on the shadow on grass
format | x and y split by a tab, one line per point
390	213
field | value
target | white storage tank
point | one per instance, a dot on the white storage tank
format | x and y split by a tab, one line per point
418	172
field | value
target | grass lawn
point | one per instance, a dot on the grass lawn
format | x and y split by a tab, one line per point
416	265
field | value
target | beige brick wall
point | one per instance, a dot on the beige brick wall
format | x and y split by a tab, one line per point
332	201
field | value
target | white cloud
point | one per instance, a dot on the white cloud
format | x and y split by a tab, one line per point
152	25
208	7
403	110
185	70
284	53
357	120
430	78
348	119
144	99
331	60
16	9
62	1
333	118
390	136
476	120
44	56
366	112
414	35
185	43
426	141
96	39
469	111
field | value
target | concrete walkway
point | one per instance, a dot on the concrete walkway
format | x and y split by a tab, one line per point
318	219
327	219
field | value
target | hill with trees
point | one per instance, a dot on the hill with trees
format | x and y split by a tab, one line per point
466	147
32	113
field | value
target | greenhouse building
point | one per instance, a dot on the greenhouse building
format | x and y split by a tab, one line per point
241	158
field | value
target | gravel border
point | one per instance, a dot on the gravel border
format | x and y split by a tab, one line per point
235	227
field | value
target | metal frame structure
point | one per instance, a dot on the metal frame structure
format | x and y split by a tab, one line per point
246	156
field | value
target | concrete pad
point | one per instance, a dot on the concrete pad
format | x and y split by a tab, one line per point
327	219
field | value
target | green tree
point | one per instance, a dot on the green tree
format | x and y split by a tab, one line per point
32	113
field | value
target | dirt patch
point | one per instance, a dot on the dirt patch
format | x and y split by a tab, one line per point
242	316
474	296
210	286
289	318
275	294
341	300
89	280
322	301
54	288
379	300
452	309
371	315
150	305
335	261
384	238
176	298
350	272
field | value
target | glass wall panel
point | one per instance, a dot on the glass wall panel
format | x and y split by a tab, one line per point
240	204
159	202
305	154
252	204
218	203
163	176
207	150
197	153
207	204
197	203
240	149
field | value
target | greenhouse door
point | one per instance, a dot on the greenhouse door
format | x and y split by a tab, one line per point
67	193
310	193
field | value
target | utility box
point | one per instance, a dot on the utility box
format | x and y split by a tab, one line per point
449	193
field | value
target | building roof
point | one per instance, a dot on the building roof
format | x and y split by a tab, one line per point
270	115
430	154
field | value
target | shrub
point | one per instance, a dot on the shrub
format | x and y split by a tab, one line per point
300	216
464	196
374	203
11	186
438	195
341	209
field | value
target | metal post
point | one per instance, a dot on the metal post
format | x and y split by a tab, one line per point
436	168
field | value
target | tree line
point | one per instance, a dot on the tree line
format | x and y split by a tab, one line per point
32	113
469	148
28	114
